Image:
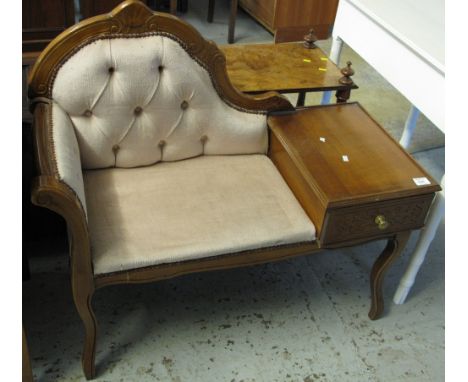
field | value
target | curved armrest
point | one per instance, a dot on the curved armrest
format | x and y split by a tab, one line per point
52	193
59	184
56	148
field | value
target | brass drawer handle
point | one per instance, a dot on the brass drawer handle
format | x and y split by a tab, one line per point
381	222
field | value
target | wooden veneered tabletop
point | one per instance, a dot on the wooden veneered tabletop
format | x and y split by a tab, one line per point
281	67
378	168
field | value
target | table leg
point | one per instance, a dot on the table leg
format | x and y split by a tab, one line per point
335	53
393	249
300	99
232	21
342	96
410	125
425	238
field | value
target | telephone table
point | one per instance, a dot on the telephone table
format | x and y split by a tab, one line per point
353	180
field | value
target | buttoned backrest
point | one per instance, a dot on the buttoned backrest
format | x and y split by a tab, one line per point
135	101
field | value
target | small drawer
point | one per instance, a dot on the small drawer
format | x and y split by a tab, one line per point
374	219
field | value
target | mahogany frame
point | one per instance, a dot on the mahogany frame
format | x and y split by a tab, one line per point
133	18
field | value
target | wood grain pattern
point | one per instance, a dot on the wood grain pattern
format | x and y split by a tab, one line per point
391	252
304	12
257	68
304	190
289	20
296	33
343	198
378	168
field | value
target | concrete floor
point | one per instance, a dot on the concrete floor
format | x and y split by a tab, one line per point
303	320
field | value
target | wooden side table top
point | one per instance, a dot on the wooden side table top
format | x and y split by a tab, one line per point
350	171
287	67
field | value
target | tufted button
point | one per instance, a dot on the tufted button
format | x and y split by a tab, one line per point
88	113
137	110
184	105
203	139
115	148
160	68
162	143
111	70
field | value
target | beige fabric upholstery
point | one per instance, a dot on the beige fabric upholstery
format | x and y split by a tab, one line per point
67	153
137	101
190	209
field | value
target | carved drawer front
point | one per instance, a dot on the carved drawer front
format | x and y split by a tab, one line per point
375	219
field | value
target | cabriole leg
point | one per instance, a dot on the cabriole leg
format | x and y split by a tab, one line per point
393	249
85	310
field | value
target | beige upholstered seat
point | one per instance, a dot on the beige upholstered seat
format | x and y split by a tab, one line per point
157	163
190	209
122	110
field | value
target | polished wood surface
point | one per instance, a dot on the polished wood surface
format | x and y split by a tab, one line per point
293	18
344	197
288	67
289	20
304	190
390	253
368	194
378	167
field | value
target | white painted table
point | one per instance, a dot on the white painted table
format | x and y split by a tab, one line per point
404	40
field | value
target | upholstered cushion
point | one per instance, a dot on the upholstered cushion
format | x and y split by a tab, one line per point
189	209
137	101
67	153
